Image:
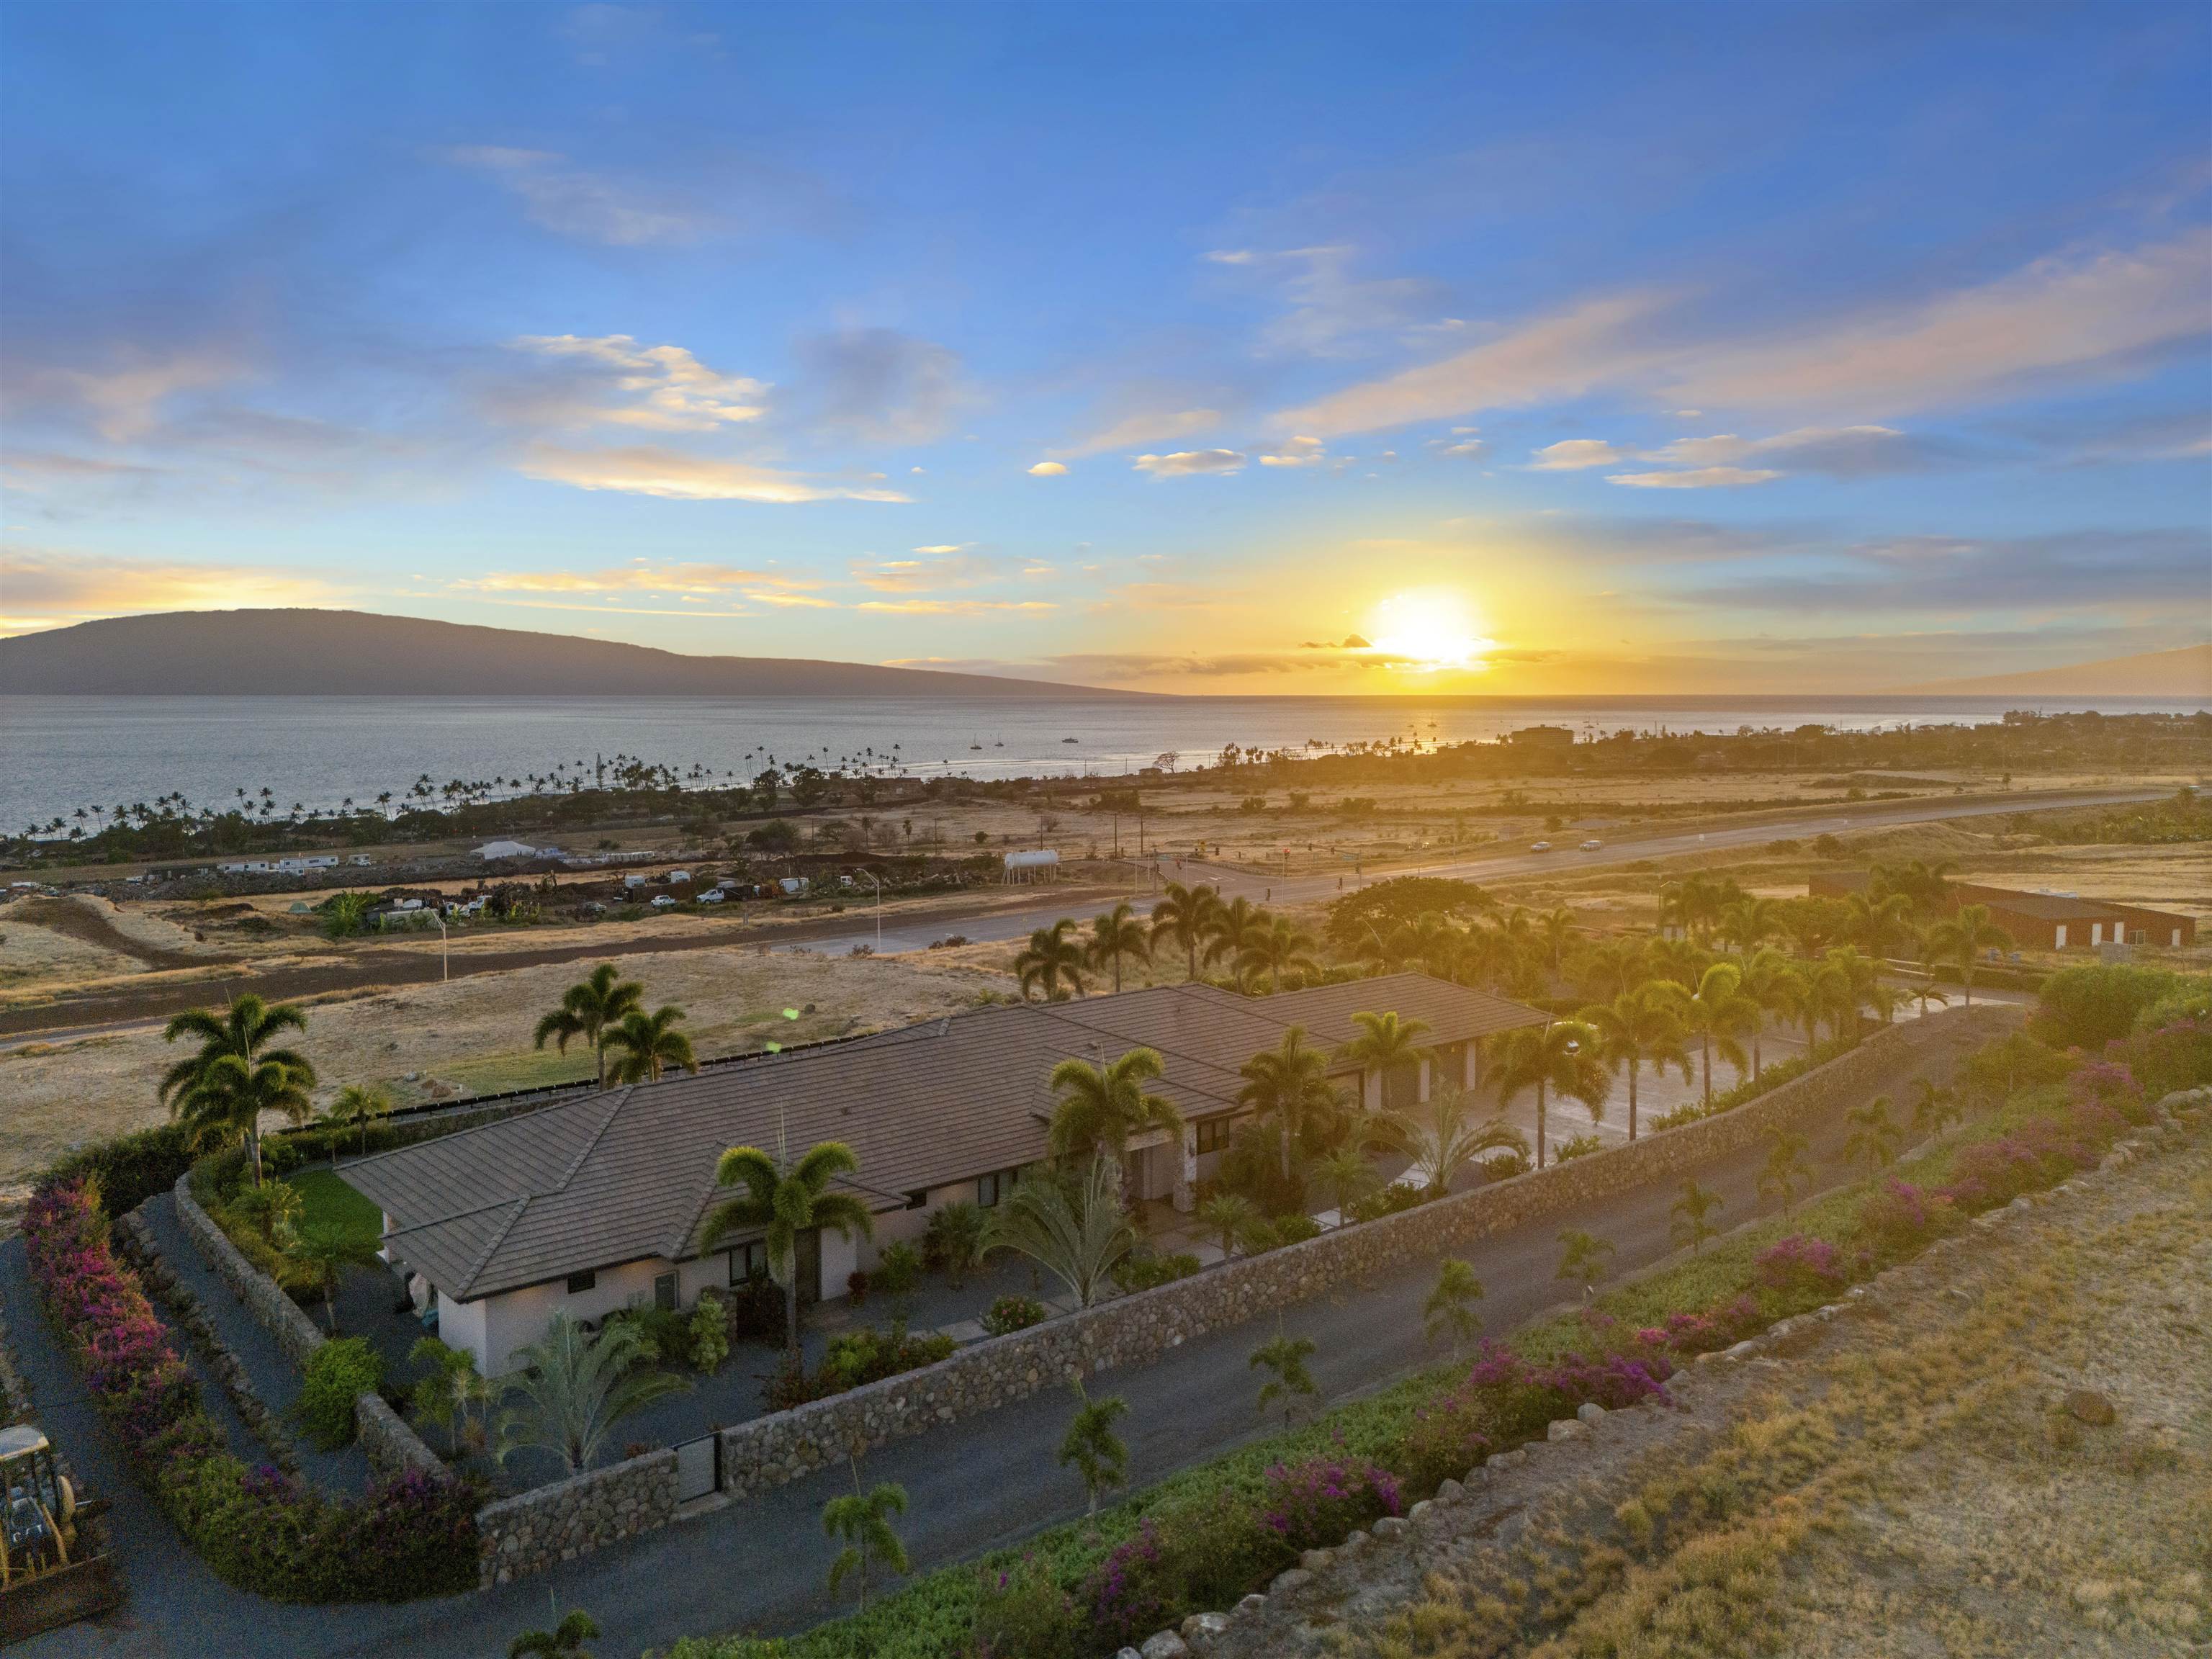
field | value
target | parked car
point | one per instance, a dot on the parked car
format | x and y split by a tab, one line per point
1592	846
712	895
1540	846
662	902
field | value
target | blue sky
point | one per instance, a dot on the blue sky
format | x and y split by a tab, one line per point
1237	349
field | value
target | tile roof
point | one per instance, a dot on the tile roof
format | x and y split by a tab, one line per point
626	1175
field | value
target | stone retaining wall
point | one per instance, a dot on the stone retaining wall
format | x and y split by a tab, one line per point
521	1536
390	1442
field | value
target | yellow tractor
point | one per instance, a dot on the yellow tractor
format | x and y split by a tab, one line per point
55	1568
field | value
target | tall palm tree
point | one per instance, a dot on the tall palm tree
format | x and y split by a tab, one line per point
650	1044
786	1200
1115	934
1748	922
1772	981
1052	961
1559	929
576	1387
1183	918
589	1009
1232	930
1845	982
323	1252
228	1099
1717	1013
1613	965
1679	960
1957	938
1274	946
1075	1228
1442	1137
357	1106
1874	922
1290	1084
242	1031
1099	1108
1385	1041
1562	1056
1636	1029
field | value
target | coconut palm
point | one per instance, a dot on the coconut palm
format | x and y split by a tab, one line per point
1073	1227
1717	1013
1116	935
1233	1218
321	1253
1680	961
1771	981
1346	1176
1183	918
1558	930
1385	1042
1448	1314
357	1106
1442	1137
1560	1057
1612	966
1092	1449
590	1009
864	1521
1274	946
1688	1225
1052	961
650	1044
1583	1257
1934	1105
1748	923
1636	1029
1786	1170
1099	1108
1232	929
242	1031
1289	1084
229	1098
1873	922
1958	939
1873	1135
572	1387
786	1200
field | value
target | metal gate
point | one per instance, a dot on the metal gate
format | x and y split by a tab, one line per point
698	1468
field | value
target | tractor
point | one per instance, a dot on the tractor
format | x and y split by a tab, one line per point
55	1568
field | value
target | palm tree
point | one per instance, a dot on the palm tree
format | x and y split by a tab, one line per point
1561	1056
1052	961
1346	1176
958	1238
1845	981
1934	1105
1234	1216
1449	1311
445	1383
1786	1169
1233	928
1184	917
1097	1108
1928	990
1689	1212
1771	982
1559	932
1385	1042
1636	1028
1717	1013
1274	946
1092	1447
1441	1137
786	1200
589	1009
358	1104
1583	1258
1074	1228
1289	1380
322	1252
242	1031
1290	1084
574	1387
228	1100
1958	938
650	1043
1115	934
1748	923
1873	1136
1874	921
864	1521
564	1641
1612	966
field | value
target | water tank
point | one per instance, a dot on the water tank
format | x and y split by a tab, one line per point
1033	858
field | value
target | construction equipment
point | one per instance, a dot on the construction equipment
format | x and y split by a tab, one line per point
55	1568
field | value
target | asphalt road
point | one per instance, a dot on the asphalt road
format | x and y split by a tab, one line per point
976	1487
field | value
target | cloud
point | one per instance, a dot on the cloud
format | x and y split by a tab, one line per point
1298	452
674	475
690	582
49	587
953	607
666	389
590	207
1464	446
1331	311
1151	426
1572	454
941	568
1849	451
1703	477
942	547
1047	469
124	400
877	384
1189	463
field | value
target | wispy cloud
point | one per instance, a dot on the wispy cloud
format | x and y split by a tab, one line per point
691	580
1698	478
1190	462
590	207
1572	454
953	607
1298	451
877	384
674	475
663	387
1330	311
1146	427
937	568
1048	469
123	398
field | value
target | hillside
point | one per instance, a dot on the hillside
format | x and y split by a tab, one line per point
2180	675
298	654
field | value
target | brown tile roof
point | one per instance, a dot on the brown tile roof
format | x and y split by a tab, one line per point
627	1174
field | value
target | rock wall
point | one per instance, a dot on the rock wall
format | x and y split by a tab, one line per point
521	1536
391	1443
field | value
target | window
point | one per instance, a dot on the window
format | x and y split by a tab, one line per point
988	1188
663	1292
1211	1134
918	1198
749	1261
580	1282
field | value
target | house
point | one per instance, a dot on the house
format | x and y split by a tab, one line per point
1542	737
2046	920
597	1203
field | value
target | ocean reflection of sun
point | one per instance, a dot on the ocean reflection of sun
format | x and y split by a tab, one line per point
1426	631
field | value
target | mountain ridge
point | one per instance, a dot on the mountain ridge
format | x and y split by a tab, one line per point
2185	672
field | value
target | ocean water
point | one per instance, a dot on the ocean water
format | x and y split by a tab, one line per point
62	753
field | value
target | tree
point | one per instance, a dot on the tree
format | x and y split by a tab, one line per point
1231	929
1771	981
322	1252
1073	1227
1442	1137
650	1044
1289	1380
1092	1449
1845	981
1960	937
1717	1013
1275	946
1874	920
1927	991
589	1009
1636	1029
445	1386
564	1641
957	1236
1689	1225
242	1032
1346	1176
357	1105
1934	1105
1234	1218
1786	1171
1748	923
1099	1108
1561	1056
1448	1314
1385	1042
1184	917
864	1521
1873	1136
1288	1084
1559	929
786	1200
229	1098
1052	961
1115	934
1583	1257
576	1387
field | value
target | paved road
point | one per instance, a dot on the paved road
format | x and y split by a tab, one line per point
976	1486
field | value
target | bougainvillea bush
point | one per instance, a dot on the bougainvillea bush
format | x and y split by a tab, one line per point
1320	1500
1798	1267
413	1534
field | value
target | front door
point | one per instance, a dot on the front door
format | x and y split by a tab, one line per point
809	1252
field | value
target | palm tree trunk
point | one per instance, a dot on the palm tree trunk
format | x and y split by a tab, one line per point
791	1314
1705	1045
1540	1123
253	1147
1632	1064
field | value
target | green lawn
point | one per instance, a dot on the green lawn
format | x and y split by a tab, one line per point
327	1199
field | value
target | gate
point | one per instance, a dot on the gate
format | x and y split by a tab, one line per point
698	1468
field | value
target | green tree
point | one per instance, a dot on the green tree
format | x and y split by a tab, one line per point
1771	981
1275	948
1288	1380
1073	1226
1449	1315
357	1106
1116	935
1441	1137
571	1389
1346	1176
956	1236
1562	1056
240	1032
1385	1043
1052	961
1717	1013
864	1521
1873	1136
1288	1085
446	1385
321	1253
1092	1449
1688	1225
1786	1173
650	1044
229	1098
564	1641
1959	938
590	1009
1184	919
1100	1109
1232	1218
786	1200
1934	1105
1583	1257
1231	930
1874	922
1638	1028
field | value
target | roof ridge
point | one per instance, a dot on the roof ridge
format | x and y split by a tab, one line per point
622	1099
445	1220
483	1256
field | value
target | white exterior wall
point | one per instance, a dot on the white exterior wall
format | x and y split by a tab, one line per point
461	1325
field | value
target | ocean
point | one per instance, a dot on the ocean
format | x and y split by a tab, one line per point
63	753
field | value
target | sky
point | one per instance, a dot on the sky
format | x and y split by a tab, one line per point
1250	348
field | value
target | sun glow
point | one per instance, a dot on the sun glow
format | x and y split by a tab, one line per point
1428	631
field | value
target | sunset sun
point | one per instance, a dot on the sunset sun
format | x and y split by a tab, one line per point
1428	631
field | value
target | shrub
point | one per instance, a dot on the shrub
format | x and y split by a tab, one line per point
898	1270
1219	1548
1295	1229
1580	1146
1012	1313
756	1311
1721	1326
1797	1268
2087	1007
1144	1270
130	1169
1022	1613
1897	1218
2174	1054
1134	1590
1385	1201
2037	1155
339	1371
1503	1166
710	1331
2110	1085
1319	1500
